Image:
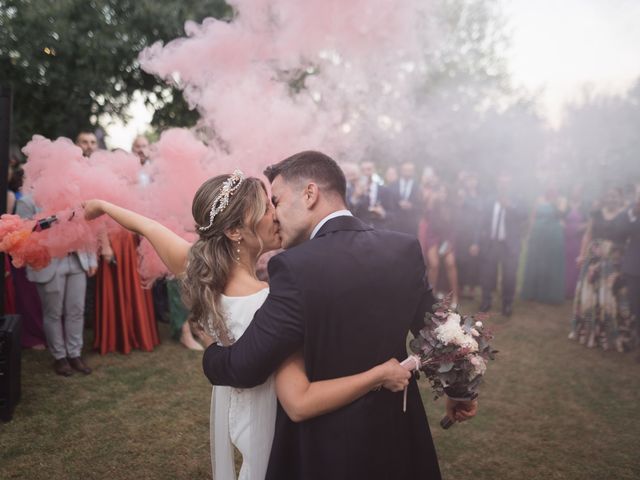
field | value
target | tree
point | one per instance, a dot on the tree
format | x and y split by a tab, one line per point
599	140
469	64
69	61
463	110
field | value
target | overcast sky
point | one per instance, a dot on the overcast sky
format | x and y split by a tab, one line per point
565	45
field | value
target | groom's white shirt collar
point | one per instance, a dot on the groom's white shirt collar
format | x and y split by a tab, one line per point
338	213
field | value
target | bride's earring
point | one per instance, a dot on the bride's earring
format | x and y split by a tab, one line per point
238	251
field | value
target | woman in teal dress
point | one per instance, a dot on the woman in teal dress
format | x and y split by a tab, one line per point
179	316
544	270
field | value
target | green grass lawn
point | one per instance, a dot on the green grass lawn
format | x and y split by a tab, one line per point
550	409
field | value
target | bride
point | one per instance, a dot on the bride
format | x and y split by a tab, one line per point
235	223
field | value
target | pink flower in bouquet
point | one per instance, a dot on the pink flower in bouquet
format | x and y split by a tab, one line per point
480	366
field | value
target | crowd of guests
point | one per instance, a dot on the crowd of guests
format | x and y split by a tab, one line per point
102	289
559	246
465	237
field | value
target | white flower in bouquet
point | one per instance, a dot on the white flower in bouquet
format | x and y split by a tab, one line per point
451	333
479	366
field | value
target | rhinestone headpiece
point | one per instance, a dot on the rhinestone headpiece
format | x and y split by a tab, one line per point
222	199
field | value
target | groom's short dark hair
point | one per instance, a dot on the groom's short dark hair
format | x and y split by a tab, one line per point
313	166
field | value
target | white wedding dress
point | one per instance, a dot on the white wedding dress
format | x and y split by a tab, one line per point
242	417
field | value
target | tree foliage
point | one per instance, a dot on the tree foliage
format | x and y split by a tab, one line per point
599	138
69	61
469	65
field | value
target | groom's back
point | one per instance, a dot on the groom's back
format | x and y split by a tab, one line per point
361	289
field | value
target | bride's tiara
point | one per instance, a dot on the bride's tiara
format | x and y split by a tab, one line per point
222	199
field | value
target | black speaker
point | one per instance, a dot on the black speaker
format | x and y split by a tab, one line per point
10	366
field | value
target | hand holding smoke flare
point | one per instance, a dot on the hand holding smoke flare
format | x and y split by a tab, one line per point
44	223
452	350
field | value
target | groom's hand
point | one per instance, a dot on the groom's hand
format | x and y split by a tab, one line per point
461	410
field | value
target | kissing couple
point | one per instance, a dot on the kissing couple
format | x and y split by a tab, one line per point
306	372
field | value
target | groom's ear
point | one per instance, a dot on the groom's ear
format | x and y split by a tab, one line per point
311	195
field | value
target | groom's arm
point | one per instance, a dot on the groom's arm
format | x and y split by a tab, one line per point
274	334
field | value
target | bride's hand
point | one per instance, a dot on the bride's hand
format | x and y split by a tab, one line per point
395	377
197	330
92	209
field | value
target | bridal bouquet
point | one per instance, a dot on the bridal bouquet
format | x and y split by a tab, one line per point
452	350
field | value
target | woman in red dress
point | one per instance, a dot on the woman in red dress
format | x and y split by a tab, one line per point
125	317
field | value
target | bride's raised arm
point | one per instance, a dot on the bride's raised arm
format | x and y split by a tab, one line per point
171	248
302	399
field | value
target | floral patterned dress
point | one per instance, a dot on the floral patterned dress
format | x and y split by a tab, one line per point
602	316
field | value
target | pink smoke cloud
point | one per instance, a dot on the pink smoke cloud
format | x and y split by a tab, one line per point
281	77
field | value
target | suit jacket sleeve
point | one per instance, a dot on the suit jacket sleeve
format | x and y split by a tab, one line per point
276	332
427	299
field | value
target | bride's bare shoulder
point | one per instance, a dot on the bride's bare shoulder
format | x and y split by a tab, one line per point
244	288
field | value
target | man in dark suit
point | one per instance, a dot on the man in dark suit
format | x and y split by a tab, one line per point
346	295
373	203
408	198
498	242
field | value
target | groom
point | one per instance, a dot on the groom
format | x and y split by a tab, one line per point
346	295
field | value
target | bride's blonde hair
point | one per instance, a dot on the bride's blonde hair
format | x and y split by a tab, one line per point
211	257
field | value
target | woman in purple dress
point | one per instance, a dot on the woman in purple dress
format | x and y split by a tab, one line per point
438	241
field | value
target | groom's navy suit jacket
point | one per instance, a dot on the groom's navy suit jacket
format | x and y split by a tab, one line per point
347	298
